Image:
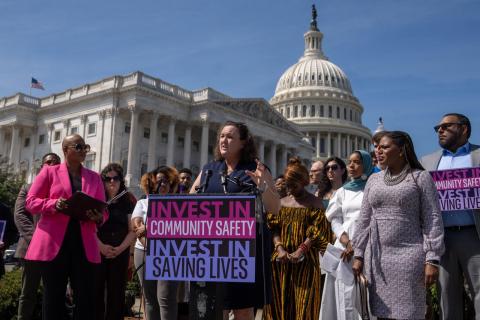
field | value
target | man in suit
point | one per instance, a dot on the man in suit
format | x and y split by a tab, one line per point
461	260
26	223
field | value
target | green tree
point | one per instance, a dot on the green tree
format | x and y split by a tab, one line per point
10	184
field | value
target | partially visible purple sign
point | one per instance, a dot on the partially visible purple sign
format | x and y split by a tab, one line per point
458	189
201	238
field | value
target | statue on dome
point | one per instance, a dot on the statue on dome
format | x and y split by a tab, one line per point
380	126
313	23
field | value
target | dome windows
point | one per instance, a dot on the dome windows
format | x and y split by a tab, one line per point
304	111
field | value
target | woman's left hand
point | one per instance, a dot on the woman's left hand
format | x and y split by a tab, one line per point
296	257
347	254
261	175
431	274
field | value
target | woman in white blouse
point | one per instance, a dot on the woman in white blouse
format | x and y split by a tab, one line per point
343	210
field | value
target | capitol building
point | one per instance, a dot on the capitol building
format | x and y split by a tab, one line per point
142	121
317	97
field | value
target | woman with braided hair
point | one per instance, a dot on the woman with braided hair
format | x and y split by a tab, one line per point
300	231
399	233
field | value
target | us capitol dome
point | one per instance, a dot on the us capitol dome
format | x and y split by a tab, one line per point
316	95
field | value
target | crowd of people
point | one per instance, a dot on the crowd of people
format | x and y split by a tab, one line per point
379	210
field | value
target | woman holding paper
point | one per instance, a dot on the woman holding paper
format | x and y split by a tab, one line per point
64	247
342	212
160	295
300	232
399	233
237	169
115	238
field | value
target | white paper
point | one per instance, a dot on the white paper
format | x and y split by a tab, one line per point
333	264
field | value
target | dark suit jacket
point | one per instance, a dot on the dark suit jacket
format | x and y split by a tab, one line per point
431	161
25	222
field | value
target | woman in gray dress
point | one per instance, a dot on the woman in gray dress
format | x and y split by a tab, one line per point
400	232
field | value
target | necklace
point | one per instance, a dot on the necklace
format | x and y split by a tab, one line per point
391	180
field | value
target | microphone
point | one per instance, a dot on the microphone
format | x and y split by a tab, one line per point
181	188
224	180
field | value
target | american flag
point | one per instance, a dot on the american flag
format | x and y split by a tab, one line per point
37	84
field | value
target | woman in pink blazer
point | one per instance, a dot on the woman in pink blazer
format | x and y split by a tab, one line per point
64	247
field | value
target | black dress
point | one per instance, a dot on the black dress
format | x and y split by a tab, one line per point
112	273
243	295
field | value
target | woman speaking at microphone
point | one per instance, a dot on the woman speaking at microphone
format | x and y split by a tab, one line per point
236	166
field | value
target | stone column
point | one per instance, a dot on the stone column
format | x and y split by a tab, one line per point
100	134
187	147
50	127
283	160
66	126
131	178
356	143
152	142
318	145
261	149
339	145
204	143
14	147
83	122
329	147
349	145
2	141
272	159
171	143
34	142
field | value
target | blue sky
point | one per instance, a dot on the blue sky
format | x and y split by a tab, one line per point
409	61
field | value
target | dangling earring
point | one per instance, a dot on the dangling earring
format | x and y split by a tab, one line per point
364	177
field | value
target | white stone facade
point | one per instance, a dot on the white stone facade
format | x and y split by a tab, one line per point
316	95
141	122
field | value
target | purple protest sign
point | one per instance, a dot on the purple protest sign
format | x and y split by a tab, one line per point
458	189
201	238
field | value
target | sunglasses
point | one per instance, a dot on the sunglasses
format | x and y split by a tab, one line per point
445	126
80	147
163	181
109	179
334	167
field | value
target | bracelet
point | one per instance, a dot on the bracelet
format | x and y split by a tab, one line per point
303	247
432	263
278	244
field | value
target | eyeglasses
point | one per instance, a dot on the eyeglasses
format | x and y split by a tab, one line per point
110	179
163	181
445	126
334	167
80	147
